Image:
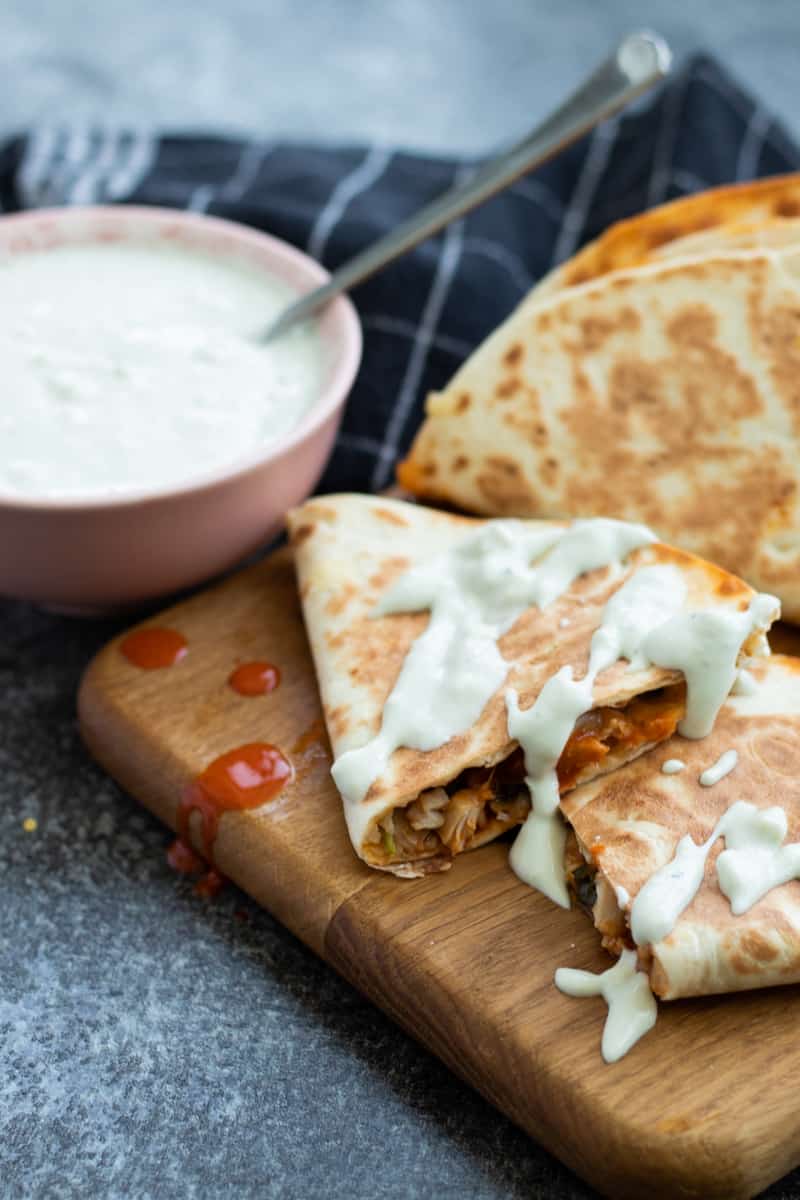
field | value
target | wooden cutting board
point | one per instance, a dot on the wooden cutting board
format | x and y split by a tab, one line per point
705	1105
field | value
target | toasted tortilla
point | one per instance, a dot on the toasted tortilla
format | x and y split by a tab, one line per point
737	212
668	394
629	823
348	550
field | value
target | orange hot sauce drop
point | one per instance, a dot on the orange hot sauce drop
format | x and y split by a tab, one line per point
244	778
254	678
152	648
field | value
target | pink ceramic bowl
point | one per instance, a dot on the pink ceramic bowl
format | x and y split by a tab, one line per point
97	555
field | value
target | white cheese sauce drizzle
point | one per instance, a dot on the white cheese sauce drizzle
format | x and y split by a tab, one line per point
753	862
644	623
745	683
475	592
537	856
672	766
755	859
722	767
705	646
632	1008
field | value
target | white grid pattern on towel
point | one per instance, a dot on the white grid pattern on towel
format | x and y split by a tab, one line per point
446	268
661	173
134	167
511	263
347	189
82	165
241	178
753	143
32	176
101	159
398	327
738	103
589	180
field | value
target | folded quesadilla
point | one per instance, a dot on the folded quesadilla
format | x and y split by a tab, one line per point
421	621
737	930
668	393
743	215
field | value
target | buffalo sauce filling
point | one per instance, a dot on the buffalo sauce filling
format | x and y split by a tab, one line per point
482	801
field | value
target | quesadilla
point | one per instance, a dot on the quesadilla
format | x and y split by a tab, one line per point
666	394
374	574
762	212
629	825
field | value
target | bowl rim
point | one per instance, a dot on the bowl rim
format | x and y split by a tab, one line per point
333	394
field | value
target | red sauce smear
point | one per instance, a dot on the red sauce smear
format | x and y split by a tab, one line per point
244	778
152	648
254	679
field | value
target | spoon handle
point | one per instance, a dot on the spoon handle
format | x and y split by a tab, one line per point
639	61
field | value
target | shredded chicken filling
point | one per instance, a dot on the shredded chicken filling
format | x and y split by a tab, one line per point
447	820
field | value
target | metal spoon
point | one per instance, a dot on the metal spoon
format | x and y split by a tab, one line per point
639	61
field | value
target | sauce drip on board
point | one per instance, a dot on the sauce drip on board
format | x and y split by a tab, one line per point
240	779
254	678
153	648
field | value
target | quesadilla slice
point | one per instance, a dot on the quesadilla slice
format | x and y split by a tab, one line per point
423	625
727	808
666	394
737	212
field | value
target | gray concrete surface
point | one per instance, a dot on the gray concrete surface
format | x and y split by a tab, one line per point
439	75
152	1045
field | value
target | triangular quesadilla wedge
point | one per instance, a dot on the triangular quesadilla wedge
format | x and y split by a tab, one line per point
715	215
669	394
629	825
416	705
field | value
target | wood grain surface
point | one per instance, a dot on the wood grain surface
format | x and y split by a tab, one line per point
704	1106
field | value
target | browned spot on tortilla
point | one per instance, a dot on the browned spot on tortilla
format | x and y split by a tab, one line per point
549	471
528	425
634	384
727	585
463	402
428	470
694	326
317	508
502	483
664	401
663	234
596	330
299	535
786	207
338	603
777	334
389	569
758	947
514	354
459	462
507	387
389	515
337	720
543	322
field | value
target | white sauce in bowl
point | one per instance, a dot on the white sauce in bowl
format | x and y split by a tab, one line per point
132	366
